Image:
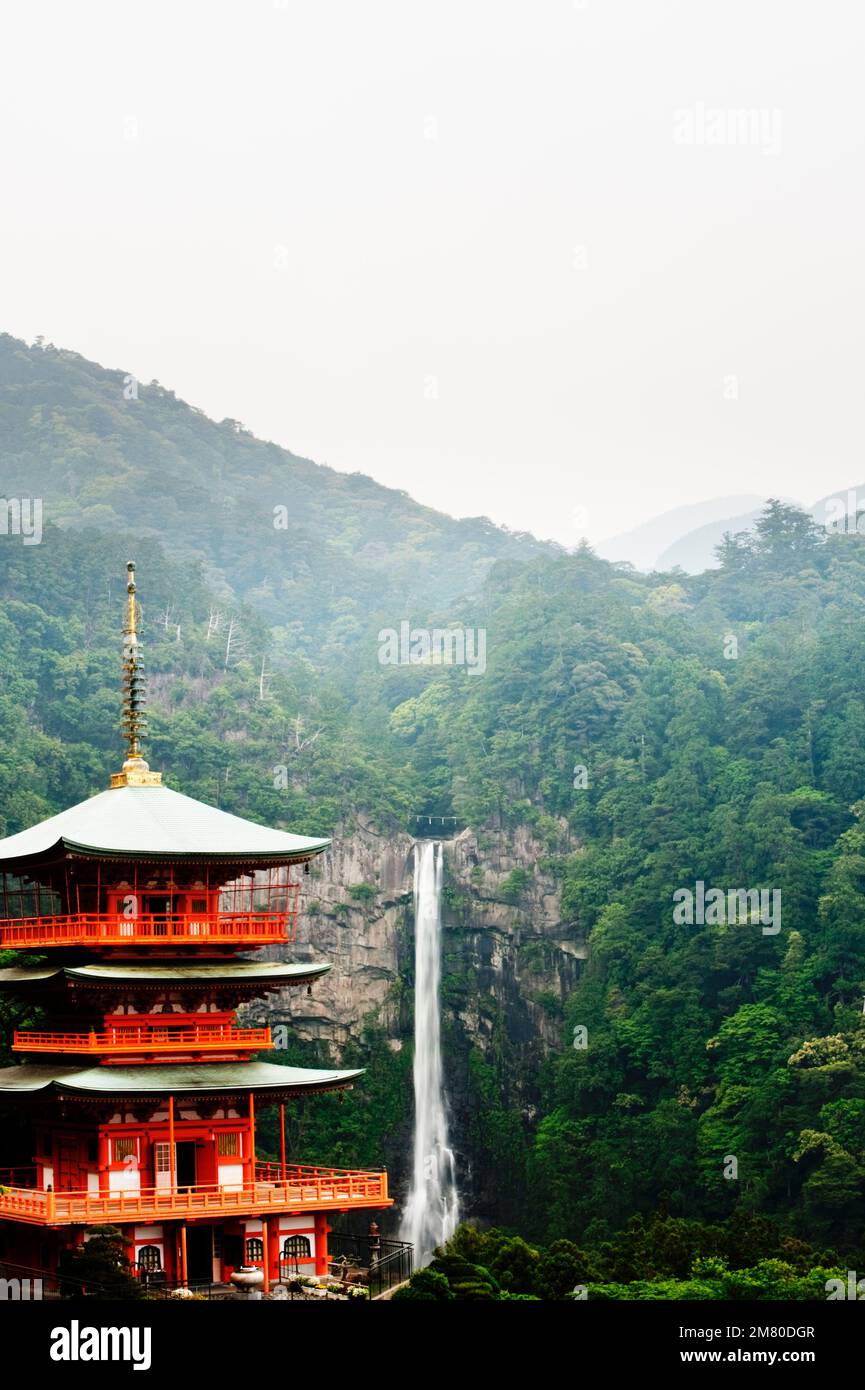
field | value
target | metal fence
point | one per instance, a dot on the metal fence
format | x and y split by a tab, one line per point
372	1261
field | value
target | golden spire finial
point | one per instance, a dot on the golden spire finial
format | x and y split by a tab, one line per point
135	771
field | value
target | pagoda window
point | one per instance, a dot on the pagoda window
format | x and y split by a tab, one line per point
124	1146
228	1145
254	1250
162	1163
150	1259
263	890
23	897
296	1248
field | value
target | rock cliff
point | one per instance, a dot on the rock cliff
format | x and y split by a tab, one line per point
508	964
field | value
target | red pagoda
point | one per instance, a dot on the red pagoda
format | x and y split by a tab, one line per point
138	1095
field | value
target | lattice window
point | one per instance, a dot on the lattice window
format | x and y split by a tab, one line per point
254	1249
162	1158
296	1248
228	1145
123	1146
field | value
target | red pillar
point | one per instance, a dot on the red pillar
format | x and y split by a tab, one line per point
274	1249
171	1174
265	1254
322	1231
251	1137
104	1160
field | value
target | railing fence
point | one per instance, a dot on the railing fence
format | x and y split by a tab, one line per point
379	1263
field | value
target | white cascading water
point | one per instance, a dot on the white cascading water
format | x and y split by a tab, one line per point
432	1211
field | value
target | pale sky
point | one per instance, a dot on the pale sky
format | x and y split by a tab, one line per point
507	256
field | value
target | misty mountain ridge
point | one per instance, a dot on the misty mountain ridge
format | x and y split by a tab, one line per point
305	544
668	541
322	553
643	545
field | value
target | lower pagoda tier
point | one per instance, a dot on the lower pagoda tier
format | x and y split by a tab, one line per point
140	1113
162	1151
105	1150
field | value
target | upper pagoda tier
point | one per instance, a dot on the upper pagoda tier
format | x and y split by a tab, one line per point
142	864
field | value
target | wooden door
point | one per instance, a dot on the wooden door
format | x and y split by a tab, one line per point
68	1167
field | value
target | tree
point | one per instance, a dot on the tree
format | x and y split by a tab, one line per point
99	1268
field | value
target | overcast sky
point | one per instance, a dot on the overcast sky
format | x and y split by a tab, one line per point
519	258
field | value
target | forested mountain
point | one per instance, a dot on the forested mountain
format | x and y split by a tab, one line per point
319	552
652	732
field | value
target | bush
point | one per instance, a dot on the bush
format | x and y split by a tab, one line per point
561	1267
99	1268
512	888
469	1282
426	1286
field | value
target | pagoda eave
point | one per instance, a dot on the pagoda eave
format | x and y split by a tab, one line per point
156	824
246	976
203	1081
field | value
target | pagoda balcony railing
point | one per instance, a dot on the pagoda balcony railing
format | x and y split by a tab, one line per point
135	1039
297	1190
114	929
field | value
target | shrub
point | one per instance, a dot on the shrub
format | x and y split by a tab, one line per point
426	1286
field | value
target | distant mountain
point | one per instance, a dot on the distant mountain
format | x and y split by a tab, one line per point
846	502
694	551
648	545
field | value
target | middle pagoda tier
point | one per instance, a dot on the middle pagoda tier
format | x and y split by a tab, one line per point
128	1013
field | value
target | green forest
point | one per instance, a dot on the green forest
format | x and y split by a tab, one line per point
700	1130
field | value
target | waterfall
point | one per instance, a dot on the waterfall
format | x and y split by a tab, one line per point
432	1210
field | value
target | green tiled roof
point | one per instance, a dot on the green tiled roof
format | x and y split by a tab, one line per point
241	972
159	823
190	1078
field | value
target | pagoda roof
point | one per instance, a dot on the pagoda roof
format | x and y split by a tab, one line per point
228	972
139	822
185	1078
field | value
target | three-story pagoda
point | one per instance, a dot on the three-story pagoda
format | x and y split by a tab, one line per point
138	1094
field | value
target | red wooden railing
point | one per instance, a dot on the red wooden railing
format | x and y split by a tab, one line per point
113	929
302	1189
201	1038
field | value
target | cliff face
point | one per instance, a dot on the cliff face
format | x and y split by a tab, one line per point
508	964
